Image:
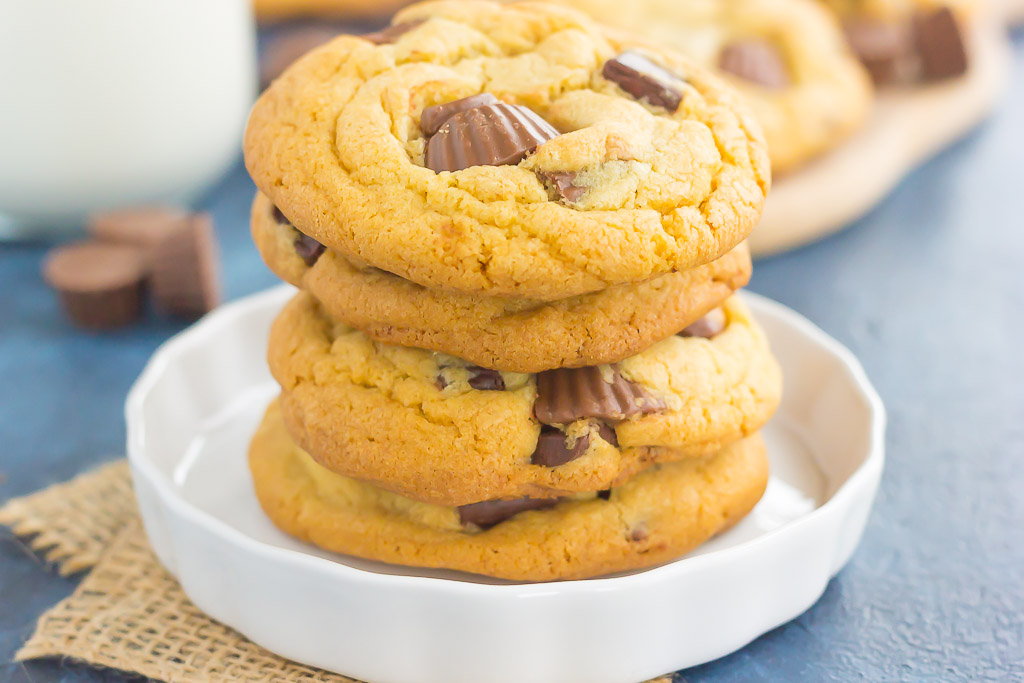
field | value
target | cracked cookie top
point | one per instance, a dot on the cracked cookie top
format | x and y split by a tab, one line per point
583	159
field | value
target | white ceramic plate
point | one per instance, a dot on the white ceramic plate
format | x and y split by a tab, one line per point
190	416
906	127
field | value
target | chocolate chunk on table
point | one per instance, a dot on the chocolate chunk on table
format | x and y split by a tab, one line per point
185	278
100	285
645	80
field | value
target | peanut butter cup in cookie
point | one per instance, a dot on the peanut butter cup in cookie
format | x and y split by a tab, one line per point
436	428
516	151
788	58
515	335
652	518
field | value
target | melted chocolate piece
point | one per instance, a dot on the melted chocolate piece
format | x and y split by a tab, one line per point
707	327
489	135
939	44
638	533
645	80
562	182
389	35
491	512
308	249
280	218
569	394
486	379
552	449
757	61
880	46
434	117
605	495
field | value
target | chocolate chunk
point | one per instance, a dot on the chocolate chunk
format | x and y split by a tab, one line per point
939	44
185	279
569	394
434	117
100	285
308	249
142	226
553	449
563	184
707	327
287	46
638	533
390	34
757	61
605	494
645	80
489	135
881	46
491	512
280	218
486	379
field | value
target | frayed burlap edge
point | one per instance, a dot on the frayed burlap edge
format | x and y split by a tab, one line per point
128	613
73	523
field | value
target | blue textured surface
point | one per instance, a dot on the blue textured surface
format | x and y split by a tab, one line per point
927	290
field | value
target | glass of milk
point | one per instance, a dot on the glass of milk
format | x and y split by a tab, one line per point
108	103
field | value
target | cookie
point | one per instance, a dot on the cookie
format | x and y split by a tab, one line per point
655	517
593	160
276	10
788	58
500	333
908	41
438	429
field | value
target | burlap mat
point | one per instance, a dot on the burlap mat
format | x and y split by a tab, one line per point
128	613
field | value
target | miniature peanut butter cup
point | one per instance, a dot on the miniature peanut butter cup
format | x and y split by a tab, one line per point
645	80
569	394
756	61
434	117
100	285
491	512
142	226
707	327
185	279
496	134
553	447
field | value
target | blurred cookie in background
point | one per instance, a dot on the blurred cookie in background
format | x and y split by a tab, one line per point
287	45
276	10
908	41
787	57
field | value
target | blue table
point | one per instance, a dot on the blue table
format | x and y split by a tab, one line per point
928	290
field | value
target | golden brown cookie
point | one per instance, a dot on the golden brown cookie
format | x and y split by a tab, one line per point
438	429
788	58
600	160
500	333
654	517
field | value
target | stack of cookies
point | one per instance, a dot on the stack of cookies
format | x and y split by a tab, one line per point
516	350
